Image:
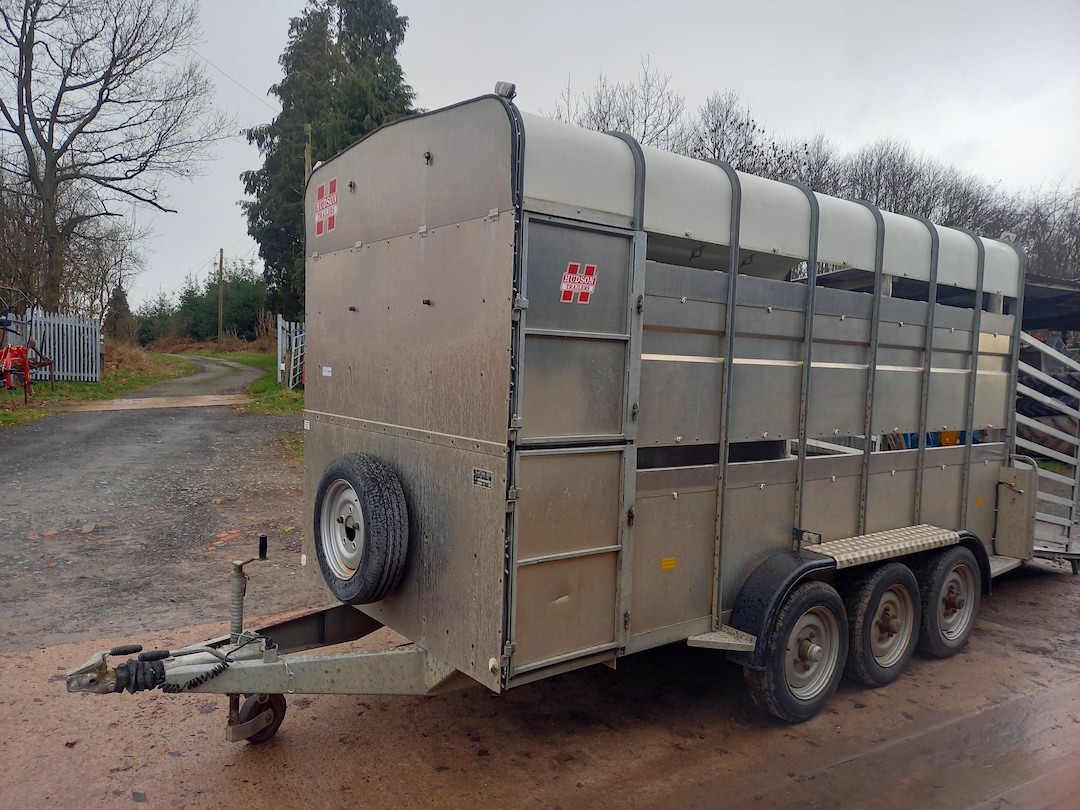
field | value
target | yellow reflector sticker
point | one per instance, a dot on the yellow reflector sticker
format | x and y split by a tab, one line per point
667	564
978	501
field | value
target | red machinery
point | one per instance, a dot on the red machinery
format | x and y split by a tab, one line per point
18	361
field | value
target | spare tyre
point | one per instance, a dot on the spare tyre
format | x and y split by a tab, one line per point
361	528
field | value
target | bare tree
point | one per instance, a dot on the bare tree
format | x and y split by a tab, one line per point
101	100
886	172
648	108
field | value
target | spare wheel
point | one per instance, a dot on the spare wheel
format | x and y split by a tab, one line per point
361	528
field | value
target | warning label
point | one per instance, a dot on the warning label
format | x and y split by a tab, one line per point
326	207
578	283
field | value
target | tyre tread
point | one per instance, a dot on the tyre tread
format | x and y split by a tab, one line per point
860	666
386	523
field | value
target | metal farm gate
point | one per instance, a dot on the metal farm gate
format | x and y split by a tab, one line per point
73	342
290	352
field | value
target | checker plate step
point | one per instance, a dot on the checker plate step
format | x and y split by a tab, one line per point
851	551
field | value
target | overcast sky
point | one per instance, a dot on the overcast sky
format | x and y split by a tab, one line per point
992	86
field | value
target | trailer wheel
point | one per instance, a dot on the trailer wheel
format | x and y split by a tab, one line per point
256	705
805	654
883	612
951	590
361	528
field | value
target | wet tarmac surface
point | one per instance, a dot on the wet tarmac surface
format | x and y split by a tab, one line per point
997	726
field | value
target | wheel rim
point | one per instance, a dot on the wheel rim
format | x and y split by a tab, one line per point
956	607
812	653
341	529
892	626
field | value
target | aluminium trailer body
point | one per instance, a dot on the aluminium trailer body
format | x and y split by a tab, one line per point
569	398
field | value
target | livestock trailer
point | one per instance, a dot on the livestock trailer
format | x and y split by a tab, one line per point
570	398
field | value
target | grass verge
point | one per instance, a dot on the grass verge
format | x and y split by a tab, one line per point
126	370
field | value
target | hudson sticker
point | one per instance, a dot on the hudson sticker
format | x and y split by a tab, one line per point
578	283
326	207
482	478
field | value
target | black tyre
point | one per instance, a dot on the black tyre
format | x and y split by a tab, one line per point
361	529
883	611
951	586
256	705
806	649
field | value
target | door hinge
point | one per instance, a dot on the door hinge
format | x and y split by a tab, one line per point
634	413
520	305
630	517
640	304
626	620
509	647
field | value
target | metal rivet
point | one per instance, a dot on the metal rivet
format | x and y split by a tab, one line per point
836	432
834	479
768	309
678	439
765	435
675	495
843	317
943	468
892	472
682	300
761	486
900	324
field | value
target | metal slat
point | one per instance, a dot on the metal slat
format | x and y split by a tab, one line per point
1044	428
1045	496
1051	381
1057	521
1048	401
1046	451
1061	479
1035	343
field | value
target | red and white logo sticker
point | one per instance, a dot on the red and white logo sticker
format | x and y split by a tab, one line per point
325	207
578	284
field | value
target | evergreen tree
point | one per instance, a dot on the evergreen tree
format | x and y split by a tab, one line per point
119	323
342	77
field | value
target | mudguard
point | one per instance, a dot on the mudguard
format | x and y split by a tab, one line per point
763	593
975	546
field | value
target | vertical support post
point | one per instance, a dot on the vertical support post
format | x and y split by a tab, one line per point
808	345
1018	328
517	348
220	289
871	374
725	393
928	355
973	379
636	287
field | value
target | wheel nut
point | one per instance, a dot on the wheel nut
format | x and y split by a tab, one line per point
954	601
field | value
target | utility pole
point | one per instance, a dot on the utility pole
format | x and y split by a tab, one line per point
220	288
307	152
